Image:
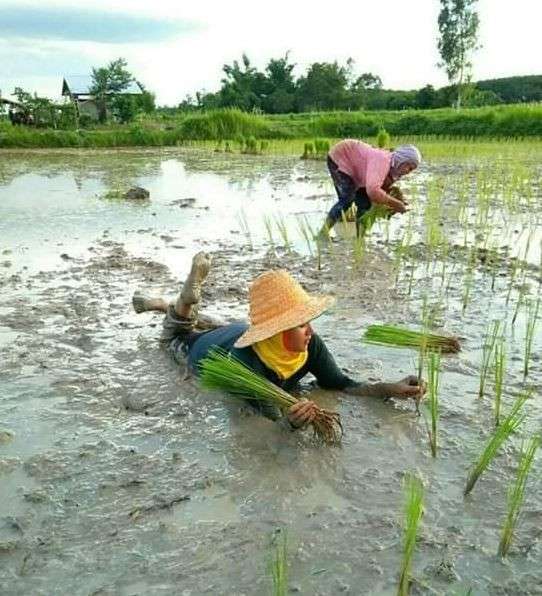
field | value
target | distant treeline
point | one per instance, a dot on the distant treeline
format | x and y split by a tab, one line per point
237	128
331	86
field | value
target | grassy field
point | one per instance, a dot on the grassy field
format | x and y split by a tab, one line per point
238	128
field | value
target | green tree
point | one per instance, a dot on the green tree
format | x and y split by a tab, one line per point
280	96
324	87
458	27
107	82
243	86
426	97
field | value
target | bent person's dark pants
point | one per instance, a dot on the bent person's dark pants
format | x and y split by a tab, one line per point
347	194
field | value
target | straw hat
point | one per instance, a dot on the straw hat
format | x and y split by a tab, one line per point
278	302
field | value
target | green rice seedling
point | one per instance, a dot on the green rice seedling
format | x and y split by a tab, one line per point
308	151
413	514
399	337
245	227
515	265
490	339
510	424
521	296
499	370
227	147
306	231
433	377
282	227
516	494
358	249
278	565
264	146
532	318
370	217
268	223
383	139
468	278
221	370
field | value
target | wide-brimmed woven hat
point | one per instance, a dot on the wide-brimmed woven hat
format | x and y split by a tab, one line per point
278	302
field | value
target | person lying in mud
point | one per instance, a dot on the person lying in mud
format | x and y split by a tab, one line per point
279	343
365	176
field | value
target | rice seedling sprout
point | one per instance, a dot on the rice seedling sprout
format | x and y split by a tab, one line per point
499	370
413	513
509	425
532	318
433	378
492	334
516	494
278	565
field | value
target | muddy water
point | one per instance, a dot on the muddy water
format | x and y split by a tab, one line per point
118	476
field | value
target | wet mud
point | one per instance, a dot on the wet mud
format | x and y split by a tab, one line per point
118	475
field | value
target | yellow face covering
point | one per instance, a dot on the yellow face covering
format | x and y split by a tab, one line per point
276	357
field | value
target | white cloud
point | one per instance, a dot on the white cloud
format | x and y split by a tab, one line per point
394	39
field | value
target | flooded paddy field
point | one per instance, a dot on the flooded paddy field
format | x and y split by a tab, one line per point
118	475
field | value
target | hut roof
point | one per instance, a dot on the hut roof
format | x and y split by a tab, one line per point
12	103
81	85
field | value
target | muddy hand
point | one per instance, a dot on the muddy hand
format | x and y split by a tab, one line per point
301	413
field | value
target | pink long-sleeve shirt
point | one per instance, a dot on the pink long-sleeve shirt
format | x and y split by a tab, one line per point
367	166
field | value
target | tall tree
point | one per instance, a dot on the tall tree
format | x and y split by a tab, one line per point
243	86
458	26
324	87
109	81
280	98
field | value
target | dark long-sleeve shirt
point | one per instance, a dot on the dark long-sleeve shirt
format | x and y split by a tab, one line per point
320	363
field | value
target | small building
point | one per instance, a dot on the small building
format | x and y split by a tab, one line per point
77	88
18	113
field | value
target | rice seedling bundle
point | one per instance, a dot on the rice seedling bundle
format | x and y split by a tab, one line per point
516	494
399	337
221	370
413	514
511	423
370	217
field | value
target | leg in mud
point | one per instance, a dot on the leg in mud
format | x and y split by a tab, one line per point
145	304
181	317
191	292
363	204
345	189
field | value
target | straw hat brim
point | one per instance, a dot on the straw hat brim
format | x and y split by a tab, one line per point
302	313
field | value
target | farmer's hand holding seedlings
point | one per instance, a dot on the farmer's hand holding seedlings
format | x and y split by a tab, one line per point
302	413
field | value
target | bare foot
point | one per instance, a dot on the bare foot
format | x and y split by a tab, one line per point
143	304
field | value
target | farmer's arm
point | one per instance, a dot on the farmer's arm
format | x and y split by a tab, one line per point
377	171
409	387
329	376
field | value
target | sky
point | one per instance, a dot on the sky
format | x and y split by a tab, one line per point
176	47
